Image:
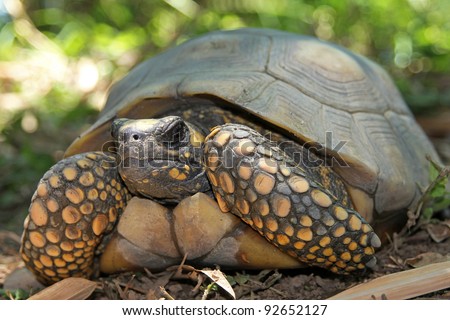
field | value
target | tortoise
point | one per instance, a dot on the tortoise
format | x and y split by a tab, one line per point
222	139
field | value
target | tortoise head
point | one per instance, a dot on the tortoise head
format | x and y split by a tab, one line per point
160	158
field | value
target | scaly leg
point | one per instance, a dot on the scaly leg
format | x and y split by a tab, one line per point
275	196
75	204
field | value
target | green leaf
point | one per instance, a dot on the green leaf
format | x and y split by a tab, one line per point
427	213
438	191
434	172
18	294
441	203
238	279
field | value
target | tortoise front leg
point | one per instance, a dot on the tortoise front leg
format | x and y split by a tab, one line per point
258	182
75	204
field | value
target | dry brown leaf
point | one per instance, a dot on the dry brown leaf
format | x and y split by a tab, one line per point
439	232
220	279
426	258
401	285
67	289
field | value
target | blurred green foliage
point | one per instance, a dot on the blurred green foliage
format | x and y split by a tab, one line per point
58	57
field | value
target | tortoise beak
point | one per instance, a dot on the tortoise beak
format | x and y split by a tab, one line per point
115	127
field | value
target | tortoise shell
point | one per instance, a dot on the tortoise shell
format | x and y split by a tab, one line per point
311	90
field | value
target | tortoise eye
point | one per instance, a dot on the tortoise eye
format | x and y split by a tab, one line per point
135	137
175	134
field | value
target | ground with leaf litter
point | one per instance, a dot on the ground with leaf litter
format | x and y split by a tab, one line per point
185	282
414	251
